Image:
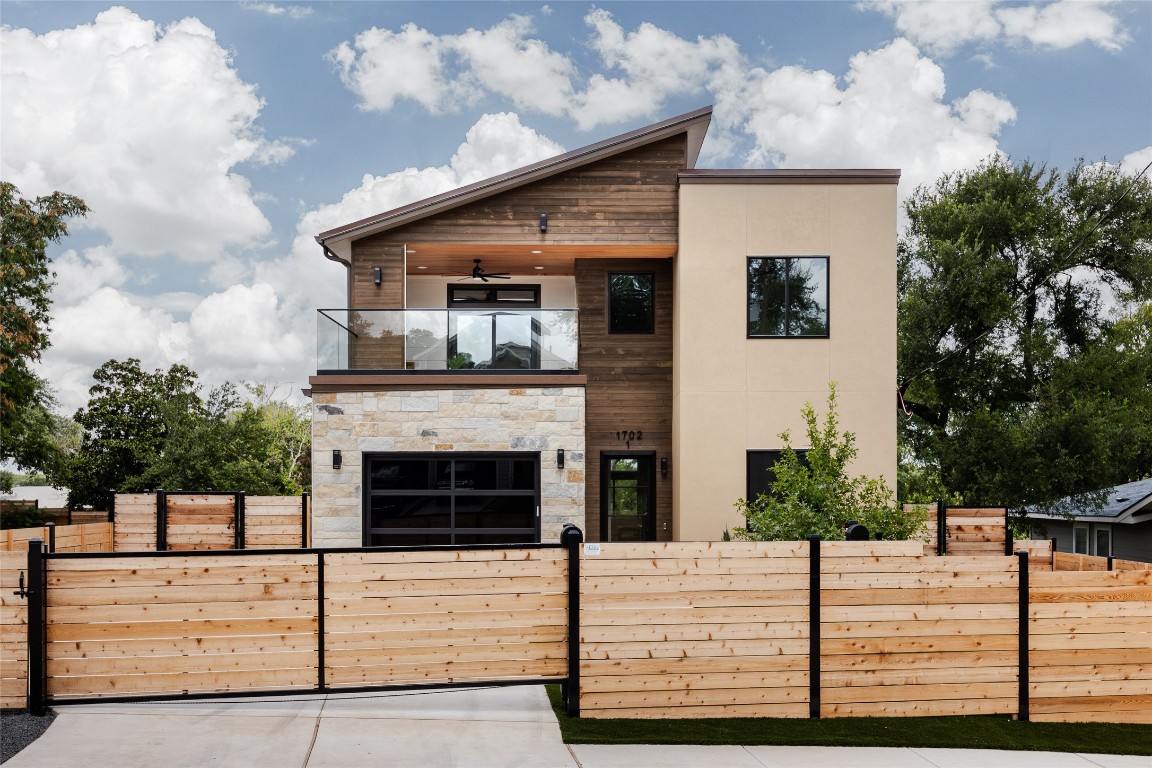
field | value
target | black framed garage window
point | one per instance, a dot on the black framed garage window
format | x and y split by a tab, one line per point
413	499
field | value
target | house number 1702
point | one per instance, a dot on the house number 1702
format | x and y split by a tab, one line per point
630	435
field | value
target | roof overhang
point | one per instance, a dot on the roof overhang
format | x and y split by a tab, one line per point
694	124
791	176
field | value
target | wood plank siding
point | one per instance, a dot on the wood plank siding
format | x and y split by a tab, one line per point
629	382
628	199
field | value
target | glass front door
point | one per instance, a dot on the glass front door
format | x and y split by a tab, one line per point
628	497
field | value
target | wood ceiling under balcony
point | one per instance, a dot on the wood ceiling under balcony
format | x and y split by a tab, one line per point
521	259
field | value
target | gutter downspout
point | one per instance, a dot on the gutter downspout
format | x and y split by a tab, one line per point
332	256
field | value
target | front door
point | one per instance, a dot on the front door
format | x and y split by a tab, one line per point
628	497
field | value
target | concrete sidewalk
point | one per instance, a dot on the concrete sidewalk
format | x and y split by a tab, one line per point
460	728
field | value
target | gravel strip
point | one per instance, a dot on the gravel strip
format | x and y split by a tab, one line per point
18	729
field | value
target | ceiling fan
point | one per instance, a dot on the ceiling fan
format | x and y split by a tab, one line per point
478	274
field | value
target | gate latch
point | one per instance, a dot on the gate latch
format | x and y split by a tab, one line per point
22	592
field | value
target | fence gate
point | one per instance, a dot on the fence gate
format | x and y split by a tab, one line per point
199	521
178	624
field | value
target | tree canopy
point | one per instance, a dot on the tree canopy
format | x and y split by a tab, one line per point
1023	332
144	431
27	425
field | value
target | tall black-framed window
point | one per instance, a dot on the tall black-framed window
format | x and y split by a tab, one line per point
631	302
787	296
458	498
760	472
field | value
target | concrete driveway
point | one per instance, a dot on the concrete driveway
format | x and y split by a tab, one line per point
459	728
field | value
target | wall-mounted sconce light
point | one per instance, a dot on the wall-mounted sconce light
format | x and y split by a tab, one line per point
560	458
543	222
377	276
663	467
337	459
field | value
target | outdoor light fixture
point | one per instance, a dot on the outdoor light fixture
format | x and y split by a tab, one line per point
663	467
376	275
543	222
559	458
336	459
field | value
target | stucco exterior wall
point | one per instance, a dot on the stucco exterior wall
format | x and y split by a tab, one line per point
450	420
732	394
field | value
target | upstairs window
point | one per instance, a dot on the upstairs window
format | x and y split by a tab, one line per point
631	302
788	296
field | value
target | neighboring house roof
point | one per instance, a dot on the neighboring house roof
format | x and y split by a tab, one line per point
695	124
1127	503
47	496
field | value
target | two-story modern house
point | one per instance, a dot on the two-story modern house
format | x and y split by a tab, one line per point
611	337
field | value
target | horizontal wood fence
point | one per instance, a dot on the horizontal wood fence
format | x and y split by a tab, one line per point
90	537
176	624
965	530
665	630
695	629
1066	561
176	521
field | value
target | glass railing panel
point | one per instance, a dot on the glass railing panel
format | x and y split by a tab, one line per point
441	339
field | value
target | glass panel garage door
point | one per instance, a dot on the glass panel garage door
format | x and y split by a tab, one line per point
415	499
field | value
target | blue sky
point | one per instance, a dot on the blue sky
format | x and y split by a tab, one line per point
213	139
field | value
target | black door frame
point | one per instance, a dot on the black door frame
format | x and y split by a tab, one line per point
646	466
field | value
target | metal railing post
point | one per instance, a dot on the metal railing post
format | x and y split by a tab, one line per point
814	627
51	528
571	537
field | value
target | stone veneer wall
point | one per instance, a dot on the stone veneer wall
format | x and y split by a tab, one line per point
499	419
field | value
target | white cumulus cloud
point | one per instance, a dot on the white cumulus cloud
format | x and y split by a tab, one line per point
944	27
146	124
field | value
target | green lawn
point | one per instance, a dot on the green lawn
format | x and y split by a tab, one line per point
985	732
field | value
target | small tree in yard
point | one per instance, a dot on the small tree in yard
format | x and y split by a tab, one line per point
817	496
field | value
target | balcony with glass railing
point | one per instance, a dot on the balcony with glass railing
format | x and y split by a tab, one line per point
466	340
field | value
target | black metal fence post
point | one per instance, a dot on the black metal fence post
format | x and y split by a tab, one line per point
320	681
571	537
1053	553
238	505
941	528
161	521
304	521
52	536
1022	707
112	506
814	627
37	636
1009	542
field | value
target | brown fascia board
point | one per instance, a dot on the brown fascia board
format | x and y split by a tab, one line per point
695	124
791	176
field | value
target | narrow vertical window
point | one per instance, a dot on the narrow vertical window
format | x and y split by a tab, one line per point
631	302
788	296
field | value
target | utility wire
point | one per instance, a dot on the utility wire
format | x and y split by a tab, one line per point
1080	244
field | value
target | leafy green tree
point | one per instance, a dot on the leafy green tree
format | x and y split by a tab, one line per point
26	229
125	428
145	431
222	444
1020	385
818	496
